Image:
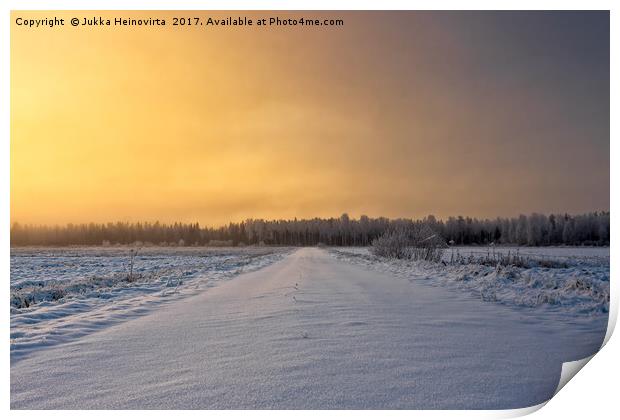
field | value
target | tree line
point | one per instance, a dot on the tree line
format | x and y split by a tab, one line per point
533	230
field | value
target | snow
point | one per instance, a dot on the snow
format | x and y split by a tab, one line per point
60	294
559	253
579	287
315	330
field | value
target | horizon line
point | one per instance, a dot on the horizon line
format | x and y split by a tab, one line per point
293	219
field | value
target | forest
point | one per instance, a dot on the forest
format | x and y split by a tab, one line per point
591	229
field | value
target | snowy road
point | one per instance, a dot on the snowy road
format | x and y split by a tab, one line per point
311	332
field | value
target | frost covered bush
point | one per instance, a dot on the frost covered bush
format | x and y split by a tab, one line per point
393	244
510	259
414	241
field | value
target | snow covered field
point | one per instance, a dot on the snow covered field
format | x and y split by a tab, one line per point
564	253
59	294
316	329
599	254
580	286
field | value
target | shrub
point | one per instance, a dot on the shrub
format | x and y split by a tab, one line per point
412	241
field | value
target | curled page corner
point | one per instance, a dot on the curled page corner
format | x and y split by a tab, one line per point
518	412
611	321
570	369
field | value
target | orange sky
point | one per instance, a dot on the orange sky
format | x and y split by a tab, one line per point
398	115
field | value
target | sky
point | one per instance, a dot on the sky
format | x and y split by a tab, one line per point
396	114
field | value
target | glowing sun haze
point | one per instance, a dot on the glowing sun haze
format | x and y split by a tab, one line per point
393	114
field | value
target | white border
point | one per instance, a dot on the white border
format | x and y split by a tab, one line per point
592	394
